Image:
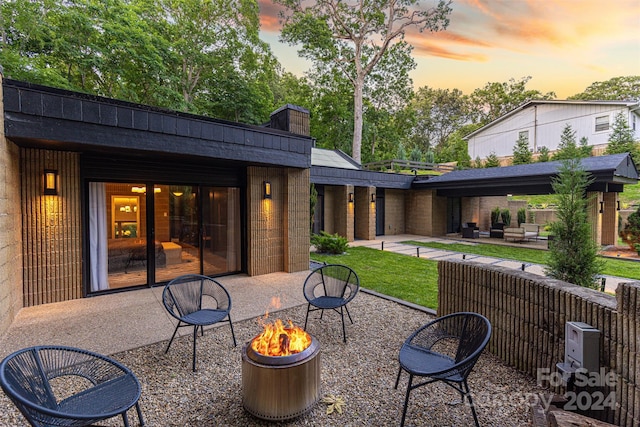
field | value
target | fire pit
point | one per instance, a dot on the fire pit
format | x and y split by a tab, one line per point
280	373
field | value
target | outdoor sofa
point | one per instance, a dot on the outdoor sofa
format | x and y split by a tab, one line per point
526	231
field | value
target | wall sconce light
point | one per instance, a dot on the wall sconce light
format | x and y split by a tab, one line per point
618	205
50	182
267	189
373	197
177	193
601	207
350	198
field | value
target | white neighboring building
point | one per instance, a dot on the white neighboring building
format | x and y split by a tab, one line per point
542	123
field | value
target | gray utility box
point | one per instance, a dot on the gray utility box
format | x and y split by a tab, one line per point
582	346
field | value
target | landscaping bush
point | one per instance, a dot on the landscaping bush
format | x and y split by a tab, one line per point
495	215
329	243
505	214
522	216
631	231
573	256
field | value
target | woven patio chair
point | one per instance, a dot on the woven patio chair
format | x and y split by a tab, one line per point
331	286
65	386
198	301
445	349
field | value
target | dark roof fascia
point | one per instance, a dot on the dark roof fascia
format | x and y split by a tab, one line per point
40	116
610	173
527	104
324	175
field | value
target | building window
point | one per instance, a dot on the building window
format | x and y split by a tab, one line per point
633	122
523	135
602	123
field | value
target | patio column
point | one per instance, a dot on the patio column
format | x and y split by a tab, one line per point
297	220
594	217
610	219
365	213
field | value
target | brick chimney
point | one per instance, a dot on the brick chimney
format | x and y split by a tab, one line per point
291	118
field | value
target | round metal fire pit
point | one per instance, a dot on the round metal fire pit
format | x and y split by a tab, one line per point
280	387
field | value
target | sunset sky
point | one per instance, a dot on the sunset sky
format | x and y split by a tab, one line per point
564	45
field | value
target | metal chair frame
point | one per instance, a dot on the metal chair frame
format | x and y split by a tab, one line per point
331	286
418	358
36	380
183	298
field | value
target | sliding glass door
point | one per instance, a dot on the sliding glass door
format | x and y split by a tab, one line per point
177	229
117	235
138	237
221	230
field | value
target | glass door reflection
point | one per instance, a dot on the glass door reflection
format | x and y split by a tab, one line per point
177	231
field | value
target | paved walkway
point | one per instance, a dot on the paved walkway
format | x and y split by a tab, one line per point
393	244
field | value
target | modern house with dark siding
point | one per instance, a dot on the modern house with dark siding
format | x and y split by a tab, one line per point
99	195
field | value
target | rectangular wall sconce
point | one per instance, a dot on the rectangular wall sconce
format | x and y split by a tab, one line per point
373	197
350	198
267	189
601	207
50	182
618	205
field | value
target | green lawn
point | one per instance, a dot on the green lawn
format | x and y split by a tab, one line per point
415	279
629	198
613	267
407	278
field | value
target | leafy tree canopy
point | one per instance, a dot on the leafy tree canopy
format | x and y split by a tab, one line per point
356	38
625	88
199	56
496	99
437	113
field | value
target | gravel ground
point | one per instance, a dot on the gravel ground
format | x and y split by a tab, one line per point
362	372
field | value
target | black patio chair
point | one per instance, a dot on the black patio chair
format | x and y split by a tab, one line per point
197	301
331	286
445	349
65	386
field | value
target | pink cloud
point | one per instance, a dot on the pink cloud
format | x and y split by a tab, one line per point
269	16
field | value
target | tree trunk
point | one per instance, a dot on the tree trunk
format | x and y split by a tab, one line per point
357	120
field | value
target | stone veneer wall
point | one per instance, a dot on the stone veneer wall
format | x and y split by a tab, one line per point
470	210
426	213
51	228
297	220
266	225
394	212
278	228
365	213
10	227
528	313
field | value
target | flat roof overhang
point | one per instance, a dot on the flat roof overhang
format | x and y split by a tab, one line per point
323	175
43	117
609	174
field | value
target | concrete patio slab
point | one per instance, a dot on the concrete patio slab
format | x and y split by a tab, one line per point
109	324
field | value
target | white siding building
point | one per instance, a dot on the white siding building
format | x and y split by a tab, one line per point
542	123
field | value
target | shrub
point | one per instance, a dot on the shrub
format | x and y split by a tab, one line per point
522	216
329	243
573	257
505	214
631	231
495	215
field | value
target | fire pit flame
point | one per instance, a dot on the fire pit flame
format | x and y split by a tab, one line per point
278	340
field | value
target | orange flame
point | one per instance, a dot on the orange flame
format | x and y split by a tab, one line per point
278	340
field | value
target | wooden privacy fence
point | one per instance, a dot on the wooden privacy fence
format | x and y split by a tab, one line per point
528	313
